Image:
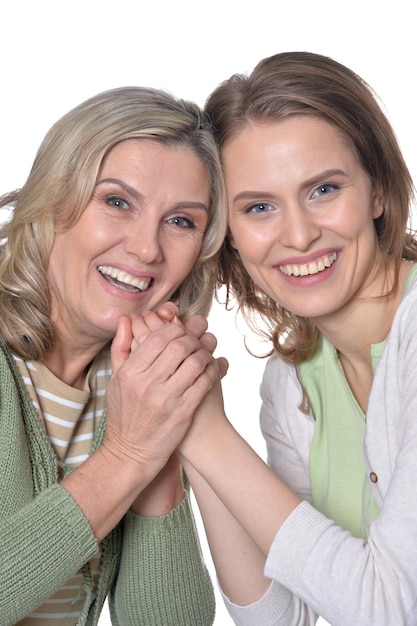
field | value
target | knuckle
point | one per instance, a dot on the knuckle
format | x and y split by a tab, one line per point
199	360
180	349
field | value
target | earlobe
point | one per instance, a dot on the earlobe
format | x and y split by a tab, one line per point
230	239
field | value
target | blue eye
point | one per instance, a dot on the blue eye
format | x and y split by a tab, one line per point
260	207
182	222
117	202
324	190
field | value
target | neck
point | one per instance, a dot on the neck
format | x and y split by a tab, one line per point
365	321
367	318
70	363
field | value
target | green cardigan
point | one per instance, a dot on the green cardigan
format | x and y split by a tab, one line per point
152	568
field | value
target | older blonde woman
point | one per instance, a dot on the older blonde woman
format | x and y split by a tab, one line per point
122	210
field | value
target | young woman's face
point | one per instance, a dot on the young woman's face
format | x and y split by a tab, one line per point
301	211
136	241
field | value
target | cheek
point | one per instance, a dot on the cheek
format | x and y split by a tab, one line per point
250	243
182	258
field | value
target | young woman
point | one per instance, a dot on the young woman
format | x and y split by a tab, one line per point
318	248
122	210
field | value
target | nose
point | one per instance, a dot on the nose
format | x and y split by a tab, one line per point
144	241
299	227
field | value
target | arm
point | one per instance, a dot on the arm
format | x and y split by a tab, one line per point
238	560
151	397
48	536
161	551
250	597
211	436
162	577
42	545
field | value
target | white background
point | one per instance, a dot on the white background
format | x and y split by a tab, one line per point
53	55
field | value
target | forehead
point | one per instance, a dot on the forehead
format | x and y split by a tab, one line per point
150	159
149	147
303	128
298	139
292	150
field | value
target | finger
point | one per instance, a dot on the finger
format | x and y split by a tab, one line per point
197	324
173	371
189	370
142	326
209	342
159	347
154	321
121	344
193	395
168	311
141	329
222	365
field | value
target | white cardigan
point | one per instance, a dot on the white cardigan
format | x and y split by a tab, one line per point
318	568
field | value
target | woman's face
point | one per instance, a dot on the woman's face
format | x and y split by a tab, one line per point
301	211
135	242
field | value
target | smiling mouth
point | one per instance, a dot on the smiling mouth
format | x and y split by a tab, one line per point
123	280
309	269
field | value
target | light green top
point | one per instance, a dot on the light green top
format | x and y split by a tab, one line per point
339	486
337	471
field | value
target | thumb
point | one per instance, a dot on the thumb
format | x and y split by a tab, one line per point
222	365
168	311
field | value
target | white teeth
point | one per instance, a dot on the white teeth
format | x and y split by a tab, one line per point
124	278
308	269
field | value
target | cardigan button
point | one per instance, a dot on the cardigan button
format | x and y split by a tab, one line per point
373	477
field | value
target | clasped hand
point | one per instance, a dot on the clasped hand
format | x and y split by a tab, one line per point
162	370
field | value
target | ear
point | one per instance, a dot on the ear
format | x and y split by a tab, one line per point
377	203
230	238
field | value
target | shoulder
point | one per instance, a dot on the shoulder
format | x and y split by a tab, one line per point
8	369
405	320
281	387
277	374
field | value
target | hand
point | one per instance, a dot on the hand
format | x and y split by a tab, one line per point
210	414
196	325
159	379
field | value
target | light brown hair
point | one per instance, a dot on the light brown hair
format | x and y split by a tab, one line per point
304	83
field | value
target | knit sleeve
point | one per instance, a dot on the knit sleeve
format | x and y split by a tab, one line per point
162	577
42	545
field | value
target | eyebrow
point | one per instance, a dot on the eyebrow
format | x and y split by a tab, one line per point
264	195
116	181
252	195
138	196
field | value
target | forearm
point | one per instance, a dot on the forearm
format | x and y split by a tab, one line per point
249	489
44	543
238	560
163	494
162	577
105	486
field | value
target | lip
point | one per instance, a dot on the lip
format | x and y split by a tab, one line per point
308	269
307	258
132	276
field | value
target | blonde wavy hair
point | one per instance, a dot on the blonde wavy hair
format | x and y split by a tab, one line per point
59	187
304	83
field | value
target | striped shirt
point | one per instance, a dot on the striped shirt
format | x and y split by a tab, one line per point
70	417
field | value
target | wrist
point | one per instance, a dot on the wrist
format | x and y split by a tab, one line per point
205	441
104	487
163	494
